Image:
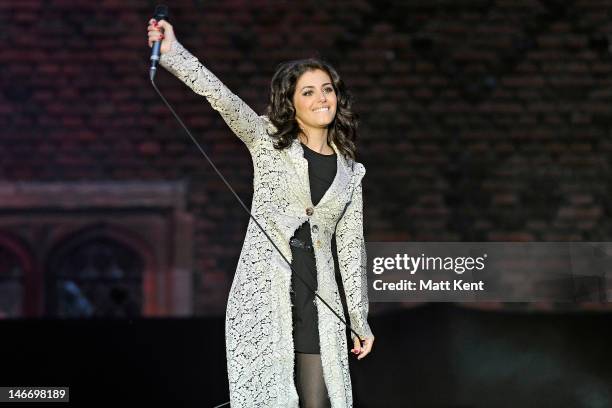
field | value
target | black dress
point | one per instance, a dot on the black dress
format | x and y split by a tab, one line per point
321	173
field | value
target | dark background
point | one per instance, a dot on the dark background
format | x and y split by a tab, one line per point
480	121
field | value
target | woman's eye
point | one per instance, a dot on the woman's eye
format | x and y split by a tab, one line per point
327	90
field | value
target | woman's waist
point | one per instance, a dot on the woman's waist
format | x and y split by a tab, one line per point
303	233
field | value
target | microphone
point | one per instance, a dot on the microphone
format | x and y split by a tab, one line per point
161	13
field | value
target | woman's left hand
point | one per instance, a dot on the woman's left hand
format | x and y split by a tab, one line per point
362	351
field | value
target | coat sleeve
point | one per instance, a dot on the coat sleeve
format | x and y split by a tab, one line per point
239	116
352	259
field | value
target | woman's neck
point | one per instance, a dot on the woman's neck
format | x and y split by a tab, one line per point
317	141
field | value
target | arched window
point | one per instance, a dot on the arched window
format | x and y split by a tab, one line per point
96	249
12	285
94	275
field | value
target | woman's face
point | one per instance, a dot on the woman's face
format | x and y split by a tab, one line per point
314	99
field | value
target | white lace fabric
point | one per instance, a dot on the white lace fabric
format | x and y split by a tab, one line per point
258	322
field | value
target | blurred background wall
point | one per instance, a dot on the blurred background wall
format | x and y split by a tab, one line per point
480	121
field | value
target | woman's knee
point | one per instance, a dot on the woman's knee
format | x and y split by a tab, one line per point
310	382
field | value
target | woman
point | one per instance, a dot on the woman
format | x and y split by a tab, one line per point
284	347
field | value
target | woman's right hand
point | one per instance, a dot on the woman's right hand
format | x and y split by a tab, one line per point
161	30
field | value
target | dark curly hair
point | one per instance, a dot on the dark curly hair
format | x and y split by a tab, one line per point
281	112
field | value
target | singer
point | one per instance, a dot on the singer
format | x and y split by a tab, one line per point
284	346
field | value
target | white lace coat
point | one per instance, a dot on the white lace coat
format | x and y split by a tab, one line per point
258	323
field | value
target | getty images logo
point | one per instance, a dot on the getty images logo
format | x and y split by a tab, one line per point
412	264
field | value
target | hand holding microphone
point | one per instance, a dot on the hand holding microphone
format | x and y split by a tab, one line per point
161	31
161	36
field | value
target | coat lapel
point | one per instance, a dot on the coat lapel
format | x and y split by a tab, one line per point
301	188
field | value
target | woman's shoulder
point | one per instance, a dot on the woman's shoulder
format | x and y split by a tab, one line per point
358	171
357	167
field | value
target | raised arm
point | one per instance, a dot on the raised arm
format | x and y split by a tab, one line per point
352	259
239	116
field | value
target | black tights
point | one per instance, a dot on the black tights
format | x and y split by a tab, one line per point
309	381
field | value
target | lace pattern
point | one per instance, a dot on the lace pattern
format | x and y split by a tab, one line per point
258	321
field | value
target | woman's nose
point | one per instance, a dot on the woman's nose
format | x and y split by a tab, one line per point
323	97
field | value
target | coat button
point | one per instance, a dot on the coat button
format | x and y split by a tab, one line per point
318	243
315	228
309	211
